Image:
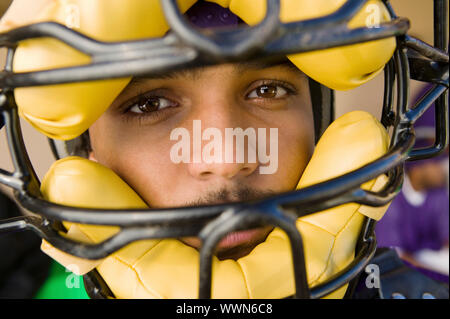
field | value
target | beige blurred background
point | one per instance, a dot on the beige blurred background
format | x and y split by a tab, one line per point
367	97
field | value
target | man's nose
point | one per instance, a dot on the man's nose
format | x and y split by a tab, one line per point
222	153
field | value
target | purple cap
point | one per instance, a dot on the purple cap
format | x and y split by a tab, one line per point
425	125
425	131
210	15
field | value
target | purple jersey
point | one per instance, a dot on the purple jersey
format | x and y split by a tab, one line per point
414	224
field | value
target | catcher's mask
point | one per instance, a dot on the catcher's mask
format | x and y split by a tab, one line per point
317	39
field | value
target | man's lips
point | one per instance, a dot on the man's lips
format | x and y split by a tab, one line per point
235	244
239	238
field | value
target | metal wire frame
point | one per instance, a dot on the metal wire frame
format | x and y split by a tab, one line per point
213	222
188	47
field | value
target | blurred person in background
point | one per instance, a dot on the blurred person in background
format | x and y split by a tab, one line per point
417	222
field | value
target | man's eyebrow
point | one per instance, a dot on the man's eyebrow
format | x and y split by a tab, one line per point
261	65
167	76
240	68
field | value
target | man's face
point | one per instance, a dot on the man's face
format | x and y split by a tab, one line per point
133	138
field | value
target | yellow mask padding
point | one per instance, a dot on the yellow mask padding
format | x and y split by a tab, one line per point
66	111
168	268
340	68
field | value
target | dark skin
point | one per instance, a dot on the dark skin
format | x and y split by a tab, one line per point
132	137
427	176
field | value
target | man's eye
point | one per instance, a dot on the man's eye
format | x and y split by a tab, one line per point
152	104
267	92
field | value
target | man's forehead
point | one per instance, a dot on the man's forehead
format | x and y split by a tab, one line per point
237	68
